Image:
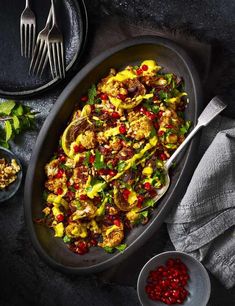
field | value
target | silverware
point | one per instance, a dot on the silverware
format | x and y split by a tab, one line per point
40	54
27	31
213	108
56	48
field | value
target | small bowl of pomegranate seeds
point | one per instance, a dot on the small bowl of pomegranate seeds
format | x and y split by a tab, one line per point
173	278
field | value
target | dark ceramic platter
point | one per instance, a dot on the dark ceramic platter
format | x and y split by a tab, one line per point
14	78
53	250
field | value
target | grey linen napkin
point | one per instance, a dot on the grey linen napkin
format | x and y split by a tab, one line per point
203	222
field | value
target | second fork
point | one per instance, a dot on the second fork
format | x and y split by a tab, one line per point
56	48
40	54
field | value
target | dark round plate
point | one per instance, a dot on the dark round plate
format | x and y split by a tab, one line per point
10	190
14	77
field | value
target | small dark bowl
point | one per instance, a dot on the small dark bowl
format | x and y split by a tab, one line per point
199	286
10	190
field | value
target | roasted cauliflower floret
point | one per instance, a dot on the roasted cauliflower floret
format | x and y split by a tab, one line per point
53	184
52	167
75	230
88	139
140	128
84	210
112	236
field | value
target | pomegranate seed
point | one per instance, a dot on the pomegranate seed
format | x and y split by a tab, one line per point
76	186
115	115
60	218
59	191
144	67
126	194
62	158
117	222
78	148
121	97
143	110
112	172
147	186
59	173
169	126
170	262
156	125
122	129
84	99
115	162
160	133
92	159
103	171
140	200
150	115
70	195
139	71
82	248
104	96
93	242
83	197
68	184
159	114
163	156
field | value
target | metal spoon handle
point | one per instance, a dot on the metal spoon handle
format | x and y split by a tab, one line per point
213	108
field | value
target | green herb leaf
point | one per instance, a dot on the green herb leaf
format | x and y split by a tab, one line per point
18	110
153	132
155	109
184	128
121	247
163	95
72	189
168	77
4	144
16	124
87	157
66	239
149	203
8	130
144	214
108	249
64	167
99	160
91	94
121	166
6	107
45	195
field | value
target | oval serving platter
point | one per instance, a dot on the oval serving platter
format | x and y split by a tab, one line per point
15	80
133	51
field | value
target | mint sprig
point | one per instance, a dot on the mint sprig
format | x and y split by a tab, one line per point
14	119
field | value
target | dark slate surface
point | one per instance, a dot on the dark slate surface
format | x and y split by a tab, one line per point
25	278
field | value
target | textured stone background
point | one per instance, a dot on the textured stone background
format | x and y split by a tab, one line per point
29	281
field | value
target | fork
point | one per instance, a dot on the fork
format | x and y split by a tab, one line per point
27	31
40	54
56	48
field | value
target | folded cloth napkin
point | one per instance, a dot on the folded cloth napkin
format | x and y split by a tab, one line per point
203	222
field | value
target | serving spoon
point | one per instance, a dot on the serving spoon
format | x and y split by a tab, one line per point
213	108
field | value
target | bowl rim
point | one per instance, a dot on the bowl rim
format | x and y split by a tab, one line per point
19	174
188	164
179	253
